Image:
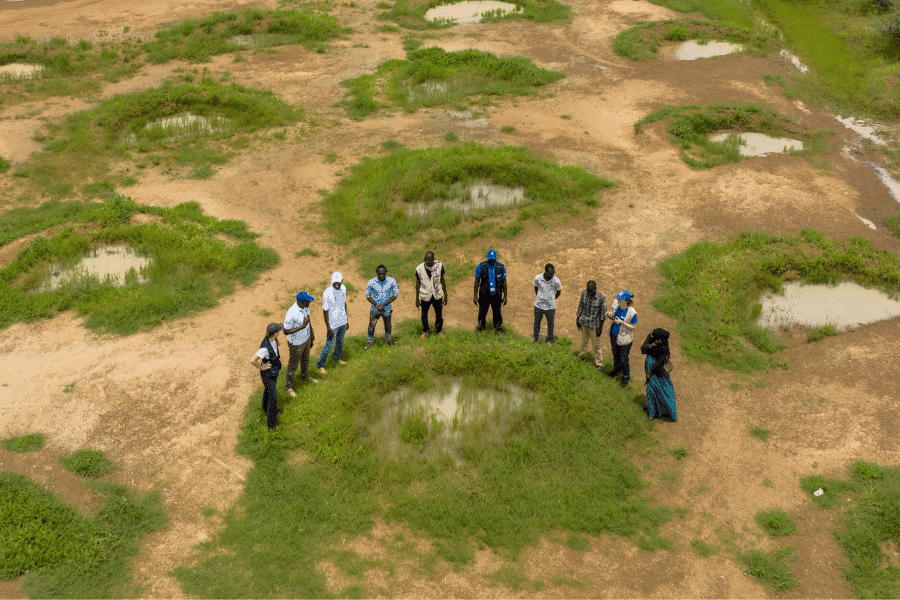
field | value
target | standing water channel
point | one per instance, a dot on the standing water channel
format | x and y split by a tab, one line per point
441	420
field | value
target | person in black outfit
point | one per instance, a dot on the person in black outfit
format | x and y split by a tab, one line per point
268	361
490	290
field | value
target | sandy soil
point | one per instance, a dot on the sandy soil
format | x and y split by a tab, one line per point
166	405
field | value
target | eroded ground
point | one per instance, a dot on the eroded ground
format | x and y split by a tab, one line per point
166	405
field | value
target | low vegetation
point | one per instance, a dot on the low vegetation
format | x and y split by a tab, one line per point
65	554
714	289
759	432
24	443
557	462
690	127
869	522
411	14
893	224
196	259
433	76
642	41
197	40
173	123
87	462
821	332
422	198
776	522
771	569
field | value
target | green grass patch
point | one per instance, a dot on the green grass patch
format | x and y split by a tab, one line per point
758	432
87	462
411	13
24	443
821	332
702	548
64	554
66	69
307	252
198	40
771	569
713	289
195	259
776	523
432	76
893	223
643	40
177	120
869	520
376	200
679	452
559	462
690	127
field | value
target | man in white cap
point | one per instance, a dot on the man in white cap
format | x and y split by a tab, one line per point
334	310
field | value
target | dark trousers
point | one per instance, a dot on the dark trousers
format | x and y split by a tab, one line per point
374	315
299	357
438	305
484	301
270	396
539	314
620	359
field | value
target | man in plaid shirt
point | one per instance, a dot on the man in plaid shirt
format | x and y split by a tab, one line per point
589	320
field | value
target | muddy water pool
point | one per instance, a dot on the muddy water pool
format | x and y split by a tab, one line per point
117	264
843	305
475	196
693	50
468	11
759	144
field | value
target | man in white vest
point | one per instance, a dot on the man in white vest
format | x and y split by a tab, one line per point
431	291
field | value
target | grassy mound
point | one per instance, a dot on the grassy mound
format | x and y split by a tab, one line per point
411	13
129	126
191	264
560	464
713	289
65	554
433	76
870	518
375	201
642	41
198	40
691	125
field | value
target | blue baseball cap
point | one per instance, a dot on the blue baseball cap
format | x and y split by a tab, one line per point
304	296
623	295
492	254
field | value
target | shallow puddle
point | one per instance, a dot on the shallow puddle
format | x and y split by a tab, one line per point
759	144
844	305
473	197
435	423
116	264
179	126
867	129
794	61
19	70
693	50
468	11
887	179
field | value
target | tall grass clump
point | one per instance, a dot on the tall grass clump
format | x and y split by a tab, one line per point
433	76
24	443
377	199
64	554
642	41
868	521
198	40
411	13
170	120
713	289
195	259
87	462
65	69
776	522
557	461
772	569
690	127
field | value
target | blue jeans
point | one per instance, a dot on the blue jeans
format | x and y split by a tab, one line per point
539	314
337	340
374	315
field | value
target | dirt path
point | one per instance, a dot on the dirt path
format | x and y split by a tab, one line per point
167	405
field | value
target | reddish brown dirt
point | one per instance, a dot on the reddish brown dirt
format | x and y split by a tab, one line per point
166	405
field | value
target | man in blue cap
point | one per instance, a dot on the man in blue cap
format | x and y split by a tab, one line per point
300	337
490	290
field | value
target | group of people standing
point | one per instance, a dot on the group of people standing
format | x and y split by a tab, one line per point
490	292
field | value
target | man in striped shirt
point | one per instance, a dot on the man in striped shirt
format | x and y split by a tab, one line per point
589	320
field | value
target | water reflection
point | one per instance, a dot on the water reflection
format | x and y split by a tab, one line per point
844	305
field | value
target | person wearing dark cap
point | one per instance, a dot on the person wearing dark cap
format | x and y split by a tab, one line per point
490	290
268	361
621	334
300	338
657	366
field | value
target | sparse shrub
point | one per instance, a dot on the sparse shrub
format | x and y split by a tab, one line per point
821	332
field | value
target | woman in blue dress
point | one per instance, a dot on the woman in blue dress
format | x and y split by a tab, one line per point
660	393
